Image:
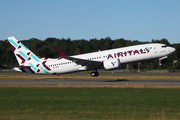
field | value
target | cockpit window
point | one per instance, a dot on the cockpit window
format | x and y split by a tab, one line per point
164	46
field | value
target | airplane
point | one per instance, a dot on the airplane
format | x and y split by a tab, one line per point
107	59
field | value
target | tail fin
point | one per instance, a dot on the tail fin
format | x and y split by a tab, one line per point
27	60
23	55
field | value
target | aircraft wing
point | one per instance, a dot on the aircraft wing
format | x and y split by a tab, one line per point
83	62
89	63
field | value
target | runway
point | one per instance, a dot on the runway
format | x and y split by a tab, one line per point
85	82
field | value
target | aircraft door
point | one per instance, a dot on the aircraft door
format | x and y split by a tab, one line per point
155	49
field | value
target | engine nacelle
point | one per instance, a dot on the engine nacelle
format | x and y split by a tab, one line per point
111	64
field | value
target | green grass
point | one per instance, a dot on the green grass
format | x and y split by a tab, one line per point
89	103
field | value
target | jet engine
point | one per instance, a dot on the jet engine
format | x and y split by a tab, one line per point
111	64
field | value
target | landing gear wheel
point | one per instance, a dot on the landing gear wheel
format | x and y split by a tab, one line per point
94	74
97	74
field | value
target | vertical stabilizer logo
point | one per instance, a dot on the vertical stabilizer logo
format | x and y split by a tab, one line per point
25	55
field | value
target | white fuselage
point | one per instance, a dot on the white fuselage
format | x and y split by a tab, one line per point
107	59
125	55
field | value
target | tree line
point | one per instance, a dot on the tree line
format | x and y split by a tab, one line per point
46	48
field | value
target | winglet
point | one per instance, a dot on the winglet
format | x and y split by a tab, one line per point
62	55
79	53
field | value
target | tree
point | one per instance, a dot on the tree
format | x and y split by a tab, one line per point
46	48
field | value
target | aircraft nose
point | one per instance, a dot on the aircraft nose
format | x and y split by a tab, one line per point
172	49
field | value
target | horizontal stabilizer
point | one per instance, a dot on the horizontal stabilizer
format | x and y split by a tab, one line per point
26	69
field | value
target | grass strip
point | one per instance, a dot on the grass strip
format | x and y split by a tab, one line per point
144	77
96	86
103	75
89	103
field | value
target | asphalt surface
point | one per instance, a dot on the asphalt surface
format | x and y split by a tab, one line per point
85	82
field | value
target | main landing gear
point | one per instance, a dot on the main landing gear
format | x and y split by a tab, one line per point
94	73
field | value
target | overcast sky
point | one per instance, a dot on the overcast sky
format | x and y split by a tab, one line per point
141	20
